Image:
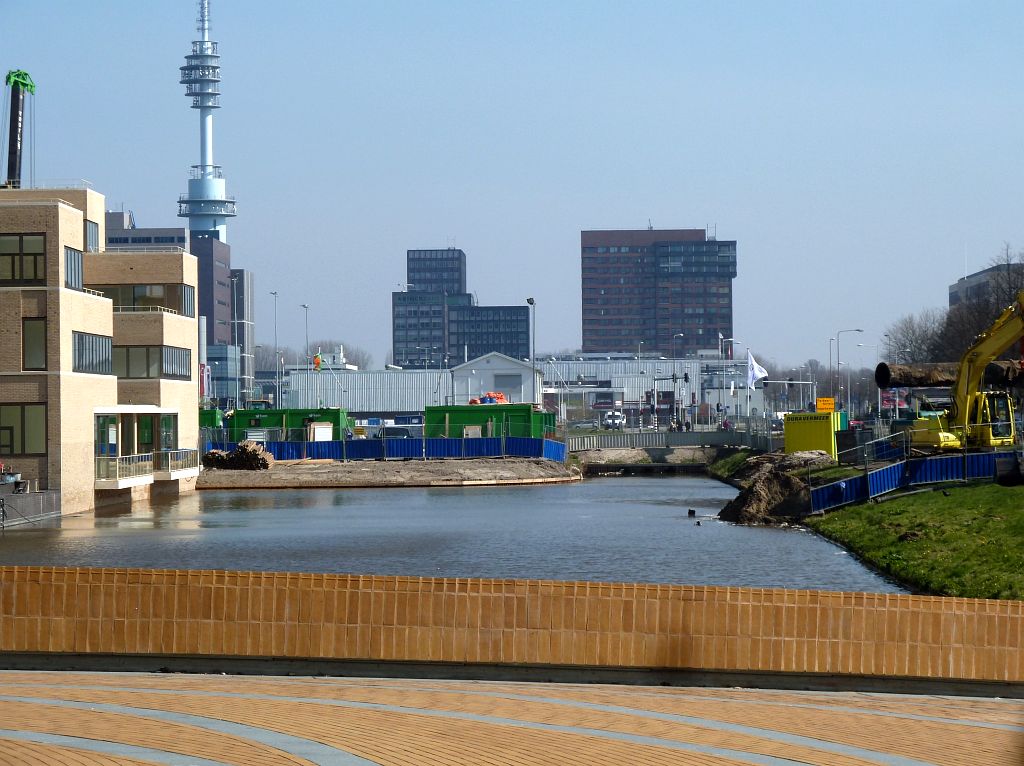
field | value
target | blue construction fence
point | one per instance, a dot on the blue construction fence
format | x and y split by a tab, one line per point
410	449
907	473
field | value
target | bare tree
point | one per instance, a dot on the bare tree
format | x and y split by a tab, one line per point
265	356
360	357
1005	281
912	339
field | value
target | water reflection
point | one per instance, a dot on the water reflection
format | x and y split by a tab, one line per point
615	529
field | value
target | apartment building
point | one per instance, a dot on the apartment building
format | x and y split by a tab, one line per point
99	372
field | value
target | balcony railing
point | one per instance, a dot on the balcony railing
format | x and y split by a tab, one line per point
143	309
124	467
176	459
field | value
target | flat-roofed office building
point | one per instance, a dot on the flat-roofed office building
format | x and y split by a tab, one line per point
665	291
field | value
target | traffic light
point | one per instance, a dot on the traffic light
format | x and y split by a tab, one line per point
686	377
317	361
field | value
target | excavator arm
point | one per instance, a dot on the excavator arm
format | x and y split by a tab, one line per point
1003	333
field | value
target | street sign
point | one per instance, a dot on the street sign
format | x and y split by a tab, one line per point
825	404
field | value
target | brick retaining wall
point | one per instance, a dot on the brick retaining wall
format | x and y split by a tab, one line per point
520	622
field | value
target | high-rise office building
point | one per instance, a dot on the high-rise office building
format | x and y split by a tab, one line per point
436	321
664	291
243	329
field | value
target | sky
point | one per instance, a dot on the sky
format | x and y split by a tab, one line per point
863	155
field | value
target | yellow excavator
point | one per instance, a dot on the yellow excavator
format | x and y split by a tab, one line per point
973	417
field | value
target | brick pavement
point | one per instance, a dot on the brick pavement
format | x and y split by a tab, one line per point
123	719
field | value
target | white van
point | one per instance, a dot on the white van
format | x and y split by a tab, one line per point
614	421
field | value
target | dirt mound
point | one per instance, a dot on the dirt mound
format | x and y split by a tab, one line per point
771	495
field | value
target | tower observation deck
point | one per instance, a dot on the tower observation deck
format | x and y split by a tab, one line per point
206	205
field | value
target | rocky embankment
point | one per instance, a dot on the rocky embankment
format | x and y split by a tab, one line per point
771	490
305	474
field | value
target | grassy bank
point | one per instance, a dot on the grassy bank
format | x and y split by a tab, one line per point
962	541
728	462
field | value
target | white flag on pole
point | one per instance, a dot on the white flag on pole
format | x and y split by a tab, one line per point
754	371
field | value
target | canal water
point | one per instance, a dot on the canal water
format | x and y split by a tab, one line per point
614	529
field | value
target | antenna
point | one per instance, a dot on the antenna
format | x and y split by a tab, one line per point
206	205
650	226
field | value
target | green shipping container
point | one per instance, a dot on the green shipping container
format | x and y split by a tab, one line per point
211	418
287	425
451	421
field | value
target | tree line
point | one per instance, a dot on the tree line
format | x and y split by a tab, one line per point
943	335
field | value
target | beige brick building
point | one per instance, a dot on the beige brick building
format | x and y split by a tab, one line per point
99	388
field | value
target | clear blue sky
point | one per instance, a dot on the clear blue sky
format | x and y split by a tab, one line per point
860	153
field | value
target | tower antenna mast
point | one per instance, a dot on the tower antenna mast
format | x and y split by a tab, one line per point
206	205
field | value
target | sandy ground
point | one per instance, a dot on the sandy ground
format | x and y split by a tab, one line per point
292	474
649	455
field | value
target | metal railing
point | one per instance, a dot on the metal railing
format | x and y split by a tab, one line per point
124	467
145	249
176	459
144	309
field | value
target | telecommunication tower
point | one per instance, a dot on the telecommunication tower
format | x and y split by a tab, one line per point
206	205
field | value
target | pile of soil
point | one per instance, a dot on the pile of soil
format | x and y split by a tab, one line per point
770	494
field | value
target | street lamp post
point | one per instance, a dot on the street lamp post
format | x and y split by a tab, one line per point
721	360
639	398
838	333
533	344
305	353
277	358
831	380
878	412
675	378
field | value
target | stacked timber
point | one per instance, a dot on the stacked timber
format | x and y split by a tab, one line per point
1000	373
247	456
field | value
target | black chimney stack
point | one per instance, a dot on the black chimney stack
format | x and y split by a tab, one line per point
19	82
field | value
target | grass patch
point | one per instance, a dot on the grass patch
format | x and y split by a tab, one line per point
964	541
729	462
827	474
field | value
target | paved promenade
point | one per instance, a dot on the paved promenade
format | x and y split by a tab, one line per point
86	719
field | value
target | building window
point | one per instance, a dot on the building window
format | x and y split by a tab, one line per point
177	363
72	268
33	344
117	240
91	353
23	259
92	237
188	300
22	429
153	362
